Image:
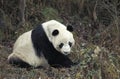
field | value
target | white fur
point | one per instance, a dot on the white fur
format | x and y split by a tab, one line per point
23	49
63	37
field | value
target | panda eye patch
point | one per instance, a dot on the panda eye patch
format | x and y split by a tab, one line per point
70	44
61	45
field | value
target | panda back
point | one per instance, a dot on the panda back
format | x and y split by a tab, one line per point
23	40
24	51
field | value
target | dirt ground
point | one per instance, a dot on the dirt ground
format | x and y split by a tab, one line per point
90	67
9	72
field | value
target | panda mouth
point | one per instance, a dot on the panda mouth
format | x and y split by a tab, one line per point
66	53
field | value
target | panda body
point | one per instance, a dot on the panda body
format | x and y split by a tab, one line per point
47	44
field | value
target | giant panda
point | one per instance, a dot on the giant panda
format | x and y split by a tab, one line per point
46	45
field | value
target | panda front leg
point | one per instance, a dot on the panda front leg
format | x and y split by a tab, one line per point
67	63
61	62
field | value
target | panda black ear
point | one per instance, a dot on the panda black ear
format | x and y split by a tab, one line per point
55	32
70	28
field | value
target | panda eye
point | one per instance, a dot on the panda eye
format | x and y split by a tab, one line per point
61	45
70	44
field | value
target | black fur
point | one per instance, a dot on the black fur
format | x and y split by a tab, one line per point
43	46
55	32
70	28
18	62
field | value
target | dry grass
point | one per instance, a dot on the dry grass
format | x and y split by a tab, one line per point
96	23
92	64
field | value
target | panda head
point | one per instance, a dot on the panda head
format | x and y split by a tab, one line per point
59	35
62	39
